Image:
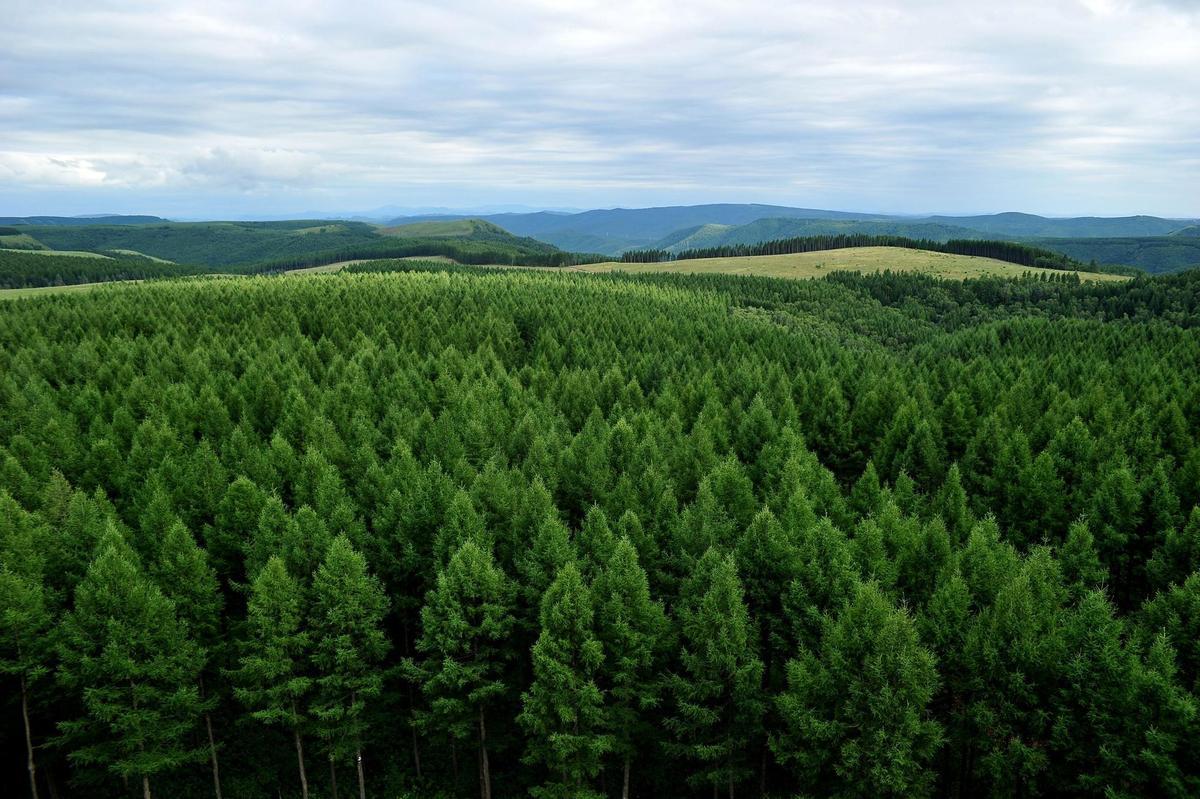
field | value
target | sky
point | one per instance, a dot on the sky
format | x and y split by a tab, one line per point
237	109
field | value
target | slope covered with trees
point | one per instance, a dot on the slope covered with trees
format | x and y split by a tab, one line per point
458	532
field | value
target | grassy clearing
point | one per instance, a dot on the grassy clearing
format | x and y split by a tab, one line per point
855	259
450	228
143	255
75	253
43	291
21	241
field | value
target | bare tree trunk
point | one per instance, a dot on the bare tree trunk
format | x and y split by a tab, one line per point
333	777
51	783
485	775
300	759
625	780
28	738
412	705
212	745
362	783
762	771
145	787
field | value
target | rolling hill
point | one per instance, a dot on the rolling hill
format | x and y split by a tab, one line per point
613	231
854	259
761	230
99	219
1158	254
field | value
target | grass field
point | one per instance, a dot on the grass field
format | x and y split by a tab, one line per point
42	291
855	259
76	253
20	241
143	255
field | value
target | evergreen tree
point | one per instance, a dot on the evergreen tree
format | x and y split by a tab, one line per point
184	576
465	624
348	644
717	701
272	678
855	712
563	711
632	629
129	657
25	615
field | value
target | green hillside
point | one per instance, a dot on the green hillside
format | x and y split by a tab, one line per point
214	244
763	230
1155	255
40	268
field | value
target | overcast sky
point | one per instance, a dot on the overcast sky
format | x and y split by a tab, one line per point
225	109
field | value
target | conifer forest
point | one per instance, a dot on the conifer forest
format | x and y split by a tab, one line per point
443	531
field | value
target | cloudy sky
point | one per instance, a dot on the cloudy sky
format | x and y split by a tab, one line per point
225	109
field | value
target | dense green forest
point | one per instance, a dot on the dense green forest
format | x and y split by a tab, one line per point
1154	254
30	270
255	247
454	532
1013	252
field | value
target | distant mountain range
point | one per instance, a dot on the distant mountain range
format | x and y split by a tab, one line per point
613	231
96	219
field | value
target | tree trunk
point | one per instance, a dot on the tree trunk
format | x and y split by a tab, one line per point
485	775
731	785
28	738
412	706
362	783
300	760
212	745
145	787
333	777
625	780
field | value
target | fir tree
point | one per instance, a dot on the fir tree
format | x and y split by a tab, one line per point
717	701
128	655
855	712
465	624
347	613
272	679
563	711
632	628
184	576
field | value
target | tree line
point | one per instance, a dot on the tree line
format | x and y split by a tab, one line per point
507	533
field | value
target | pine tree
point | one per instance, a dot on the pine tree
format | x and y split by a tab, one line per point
127	654
717	700
632	628
1080	564
25	615
563	711
348	645
855	712
465	624
272	679
184	576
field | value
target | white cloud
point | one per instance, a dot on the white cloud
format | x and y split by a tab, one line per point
1053	106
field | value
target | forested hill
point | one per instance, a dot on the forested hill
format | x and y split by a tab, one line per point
456	531
98	219
613	231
